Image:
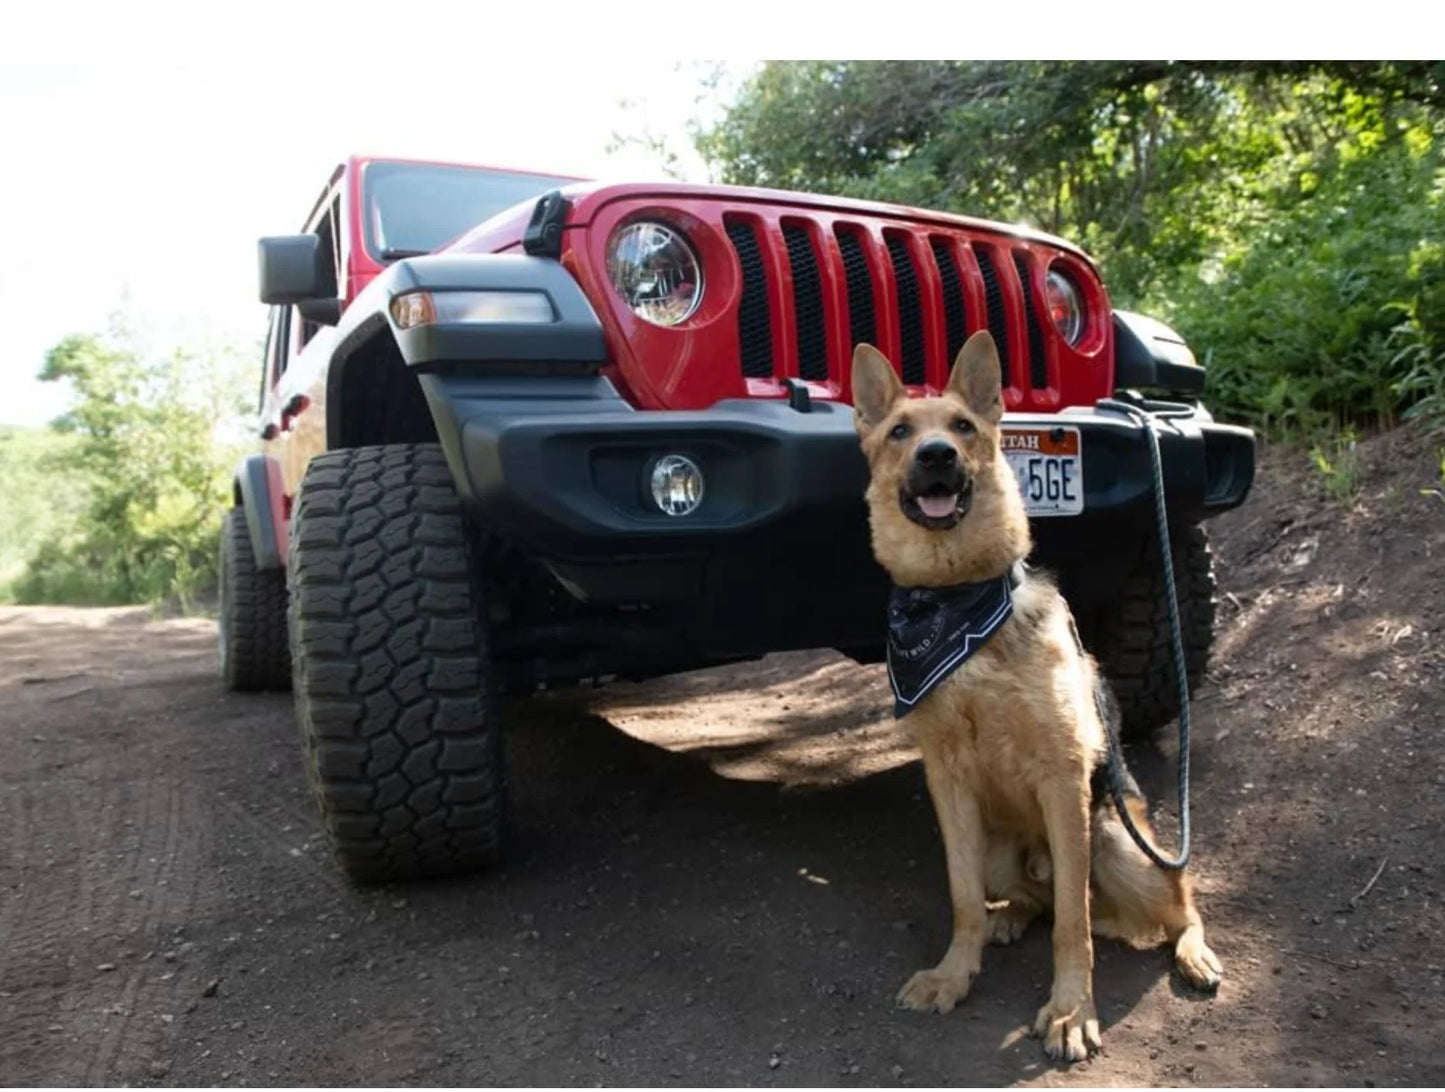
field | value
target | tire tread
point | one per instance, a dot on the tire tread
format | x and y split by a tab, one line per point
394	695
1133	641
256	653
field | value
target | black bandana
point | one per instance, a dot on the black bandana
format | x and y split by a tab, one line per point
931	631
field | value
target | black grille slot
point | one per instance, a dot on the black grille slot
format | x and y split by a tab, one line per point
862	325
807	303
1038	366
955	313
910	314
997	321
755	326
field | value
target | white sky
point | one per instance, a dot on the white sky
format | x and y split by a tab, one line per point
143	150
145	146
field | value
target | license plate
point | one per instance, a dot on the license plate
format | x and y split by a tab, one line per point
1049	465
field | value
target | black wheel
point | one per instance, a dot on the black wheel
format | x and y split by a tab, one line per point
394	695
1131	635
251	618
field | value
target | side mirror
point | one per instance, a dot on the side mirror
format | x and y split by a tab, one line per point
291	269
323	312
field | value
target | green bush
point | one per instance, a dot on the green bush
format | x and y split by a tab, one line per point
40	498
143	462
1328	314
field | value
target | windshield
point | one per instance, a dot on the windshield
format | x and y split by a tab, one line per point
413	208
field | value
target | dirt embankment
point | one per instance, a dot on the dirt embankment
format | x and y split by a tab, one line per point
723	878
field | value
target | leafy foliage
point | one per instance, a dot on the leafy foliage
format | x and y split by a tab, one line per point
40	500
1337	460
141	474
1285	215
1326	312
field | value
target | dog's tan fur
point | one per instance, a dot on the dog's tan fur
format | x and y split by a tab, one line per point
1011	739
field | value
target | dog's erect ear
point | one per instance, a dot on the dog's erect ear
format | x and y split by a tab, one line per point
876	387
975	376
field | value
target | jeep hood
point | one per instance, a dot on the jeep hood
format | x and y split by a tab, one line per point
587	199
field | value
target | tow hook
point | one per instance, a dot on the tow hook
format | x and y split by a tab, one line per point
798	396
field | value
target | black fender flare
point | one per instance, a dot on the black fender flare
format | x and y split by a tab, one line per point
258	489
1149	355
572	343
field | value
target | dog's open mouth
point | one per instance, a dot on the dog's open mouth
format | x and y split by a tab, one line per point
938	505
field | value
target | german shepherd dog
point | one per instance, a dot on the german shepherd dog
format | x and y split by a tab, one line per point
1012	739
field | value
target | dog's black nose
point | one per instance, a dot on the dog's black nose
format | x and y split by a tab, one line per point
936	455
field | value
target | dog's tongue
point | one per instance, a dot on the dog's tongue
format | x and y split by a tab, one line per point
938	506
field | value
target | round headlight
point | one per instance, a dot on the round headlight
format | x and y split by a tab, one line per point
1066	306
655	272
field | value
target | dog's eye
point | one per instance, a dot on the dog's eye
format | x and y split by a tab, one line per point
900	431
963	426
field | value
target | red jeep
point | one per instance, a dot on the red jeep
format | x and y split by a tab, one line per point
523	431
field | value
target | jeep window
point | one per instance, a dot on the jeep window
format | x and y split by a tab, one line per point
328	230
413	208
276	335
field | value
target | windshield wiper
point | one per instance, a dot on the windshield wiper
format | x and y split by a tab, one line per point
391	254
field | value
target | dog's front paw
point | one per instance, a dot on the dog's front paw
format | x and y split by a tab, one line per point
1069	1031
934	990
1199	966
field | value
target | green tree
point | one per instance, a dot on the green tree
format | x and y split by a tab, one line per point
40	500
1326	315
146	445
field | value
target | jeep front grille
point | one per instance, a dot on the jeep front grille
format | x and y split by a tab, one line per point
861	325
807	303
955	312
993	302
1038	367
910	309
914	290
755	330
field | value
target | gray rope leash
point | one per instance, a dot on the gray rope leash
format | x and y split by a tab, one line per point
1115	759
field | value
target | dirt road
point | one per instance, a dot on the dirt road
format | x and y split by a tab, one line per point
724	878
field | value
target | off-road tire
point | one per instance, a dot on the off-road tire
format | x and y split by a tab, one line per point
251	617
394	696
1132	640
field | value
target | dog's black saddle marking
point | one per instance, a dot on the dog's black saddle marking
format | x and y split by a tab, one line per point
1108	708
932	631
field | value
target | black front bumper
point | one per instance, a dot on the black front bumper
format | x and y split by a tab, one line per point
777	554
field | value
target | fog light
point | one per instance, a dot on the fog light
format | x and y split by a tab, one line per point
676	485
